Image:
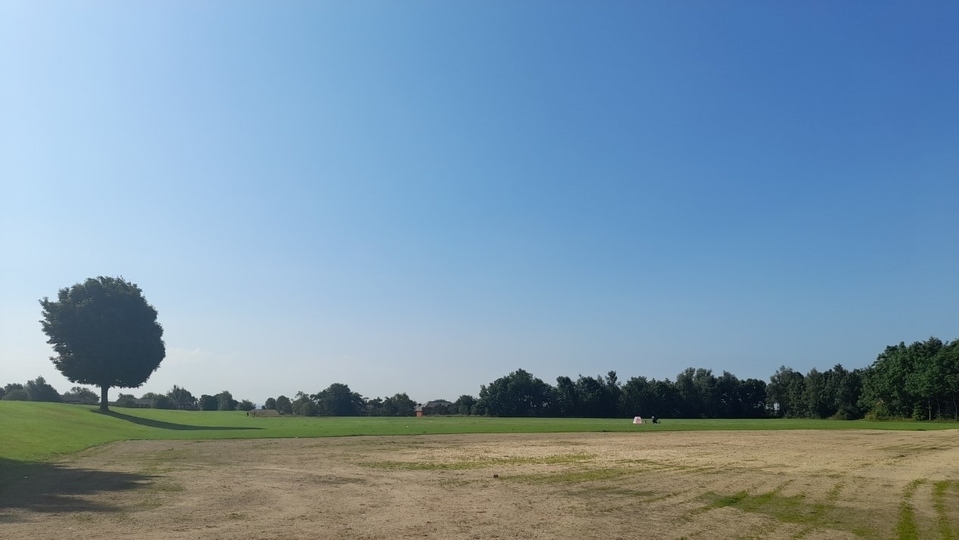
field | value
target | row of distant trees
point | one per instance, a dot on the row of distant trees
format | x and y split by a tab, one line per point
339	400
696	393
919	381
181	398
39	390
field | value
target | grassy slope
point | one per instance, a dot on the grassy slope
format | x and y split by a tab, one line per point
31	432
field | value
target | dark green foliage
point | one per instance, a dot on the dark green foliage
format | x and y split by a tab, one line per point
225	401
16	394
39	390
78	394
919	381
104	333
161	401
752	395
126	400
786	393
284	405
208	403
517	394
594	397
245	405
338	400
303	405
464	405
182	398
270	404
397	405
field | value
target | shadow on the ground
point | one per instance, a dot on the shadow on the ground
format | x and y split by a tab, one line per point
159	424
52	488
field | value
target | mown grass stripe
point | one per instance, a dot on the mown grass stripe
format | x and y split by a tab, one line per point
906	528
940	492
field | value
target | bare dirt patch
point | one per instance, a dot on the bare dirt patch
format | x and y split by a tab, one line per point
792	484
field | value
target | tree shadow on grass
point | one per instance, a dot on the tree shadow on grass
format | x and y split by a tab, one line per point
159	424
56	488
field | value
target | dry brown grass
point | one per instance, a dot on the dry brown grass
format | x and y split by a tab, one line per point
780	485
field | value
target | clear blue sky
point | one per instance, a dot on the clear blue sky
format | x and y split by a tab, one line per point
423	196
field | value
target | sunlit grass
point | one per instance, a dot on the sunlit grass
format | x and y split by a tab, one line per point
43	431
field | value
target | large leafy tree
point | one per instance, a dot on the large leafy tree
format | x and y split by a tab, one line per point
104	333
339	400
182	398
284	405
517	394
39	390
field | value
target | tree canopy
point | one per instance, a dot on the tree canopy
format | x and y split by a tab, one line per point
104	333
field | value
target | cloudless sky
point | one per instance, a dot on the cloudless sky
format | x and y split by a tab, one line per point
424	196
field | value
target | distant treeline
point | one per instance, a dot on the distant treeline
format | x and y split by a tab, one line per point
919	381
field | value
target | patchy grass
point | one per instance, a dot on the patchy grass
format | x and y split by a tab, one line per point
479	463
906	528
940	496
795	509
576	476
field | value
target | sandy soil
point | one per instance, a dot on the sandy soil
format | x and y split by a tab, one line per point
778	485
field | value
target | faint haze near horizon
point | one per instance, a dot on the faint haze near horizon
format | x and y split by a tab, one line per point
422	197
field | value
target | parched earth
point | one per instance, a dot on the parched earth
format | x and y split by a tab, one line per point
764	484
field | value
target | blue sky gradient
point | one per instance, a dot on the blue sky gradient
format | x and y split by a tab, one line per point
421	197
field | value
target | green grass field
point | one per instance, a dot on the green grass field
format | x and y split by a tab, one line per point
34	432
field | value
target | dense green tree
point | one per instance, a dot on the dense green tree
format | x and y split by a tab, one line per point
637	397
16	394
597	397
270	404
945	370
786	393
245	405
39	390
565	400
891	386
126	400
208	403
725	397
225	401
182	398
303	405
848	389
162	401
817	401
398	405
284	405
517	394
338	400
464	405
79	394
374	407
104	333
752	394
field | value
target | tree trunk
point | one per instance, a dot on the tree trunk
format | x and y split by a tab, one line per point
103	398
